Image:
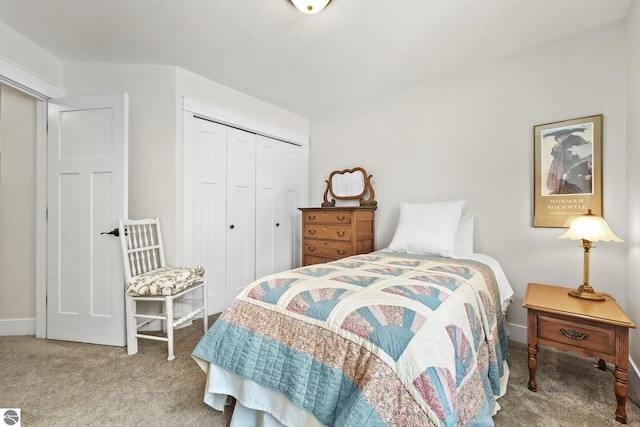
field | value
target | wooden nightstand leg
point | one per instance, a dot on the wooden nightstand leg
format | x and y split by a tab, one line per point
532	349
620	373
533	366
621	394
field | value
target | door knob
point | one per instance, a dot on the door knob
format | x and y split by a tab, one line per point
114	232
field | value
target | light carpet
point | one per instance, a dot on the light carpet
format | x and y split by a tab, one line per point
58	383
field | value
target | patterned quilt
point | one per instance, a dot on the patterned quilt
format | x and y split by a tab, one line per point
377	339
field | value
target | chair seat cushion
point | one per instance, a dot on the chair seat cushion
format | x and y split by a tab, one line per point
165	281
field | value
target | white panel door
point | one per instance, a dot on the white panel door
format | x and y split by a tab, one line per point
241	199
277	182
87	193
205	157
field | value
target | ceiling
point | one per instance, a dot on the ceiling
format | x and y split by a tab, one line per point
309	64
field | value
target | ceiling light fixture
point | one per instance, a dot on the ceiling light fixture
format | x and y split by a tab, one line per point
310	6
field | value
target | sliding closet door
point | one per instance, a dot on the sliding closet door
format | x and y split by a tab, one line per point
277	192
205	235
241	211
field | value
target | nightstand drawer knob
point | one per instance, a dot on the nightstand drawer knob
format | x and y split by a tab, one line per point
574	335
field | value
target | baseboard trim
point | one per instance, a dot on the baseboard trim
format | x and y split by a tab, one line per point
17	327
634	378
518	333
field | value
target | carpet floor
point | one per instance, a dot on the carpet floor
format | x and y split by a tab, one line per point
58	383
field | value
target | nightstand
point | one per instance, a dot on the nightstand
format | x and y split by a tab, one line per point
597	329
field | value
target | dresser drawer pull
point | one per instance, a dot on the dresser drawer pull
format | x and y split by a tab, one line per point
312	217
340	233
311	248
341	252
340	218
312	231
574	335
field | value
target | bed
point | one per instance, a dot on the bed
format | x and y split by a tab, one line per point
386	338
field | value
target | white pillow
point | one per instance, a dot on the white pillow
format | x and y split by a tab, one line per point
464	236
427	228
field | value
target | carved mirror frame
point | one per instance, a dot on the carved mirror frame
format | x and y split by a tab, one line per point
366	196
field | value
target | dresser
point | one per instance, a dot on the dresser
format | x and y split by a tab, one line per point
332	233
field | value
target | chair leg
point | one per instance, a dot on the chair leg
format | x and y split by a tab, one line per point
169	304
132	325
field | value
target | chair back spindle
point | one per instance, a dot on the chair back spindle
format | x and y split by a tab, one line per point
142	247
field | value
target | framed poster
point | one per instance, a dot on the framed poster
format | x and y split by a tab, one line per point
567	170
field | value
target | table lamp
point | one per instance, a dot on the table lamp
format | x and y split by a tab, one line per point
589	228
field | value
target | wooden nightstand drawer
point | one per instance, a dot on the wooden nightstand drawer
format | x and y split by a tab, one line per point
327	217
328	249
333	232
576	334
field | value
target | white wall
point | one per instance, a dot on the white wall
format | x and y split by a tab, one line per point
467	135
207	92
155	130
633	178
155	144
17	198
17	209
18	50
470	136
152	125
195	86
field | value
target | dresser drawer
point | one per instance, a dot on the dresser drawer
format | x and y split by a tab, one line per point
327	248
327	217
332	232
577	335
310	260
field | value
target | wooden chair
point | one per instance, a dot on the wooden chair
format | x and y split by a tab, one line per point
147	278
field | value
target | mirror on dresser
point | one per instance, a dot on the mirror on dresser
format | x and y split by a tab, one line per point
338	230
349	185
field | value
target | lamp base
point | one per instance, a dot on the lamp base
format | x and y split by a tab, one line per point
585	291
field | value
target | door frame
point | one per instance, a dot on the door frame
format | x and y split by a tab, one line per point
42	90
